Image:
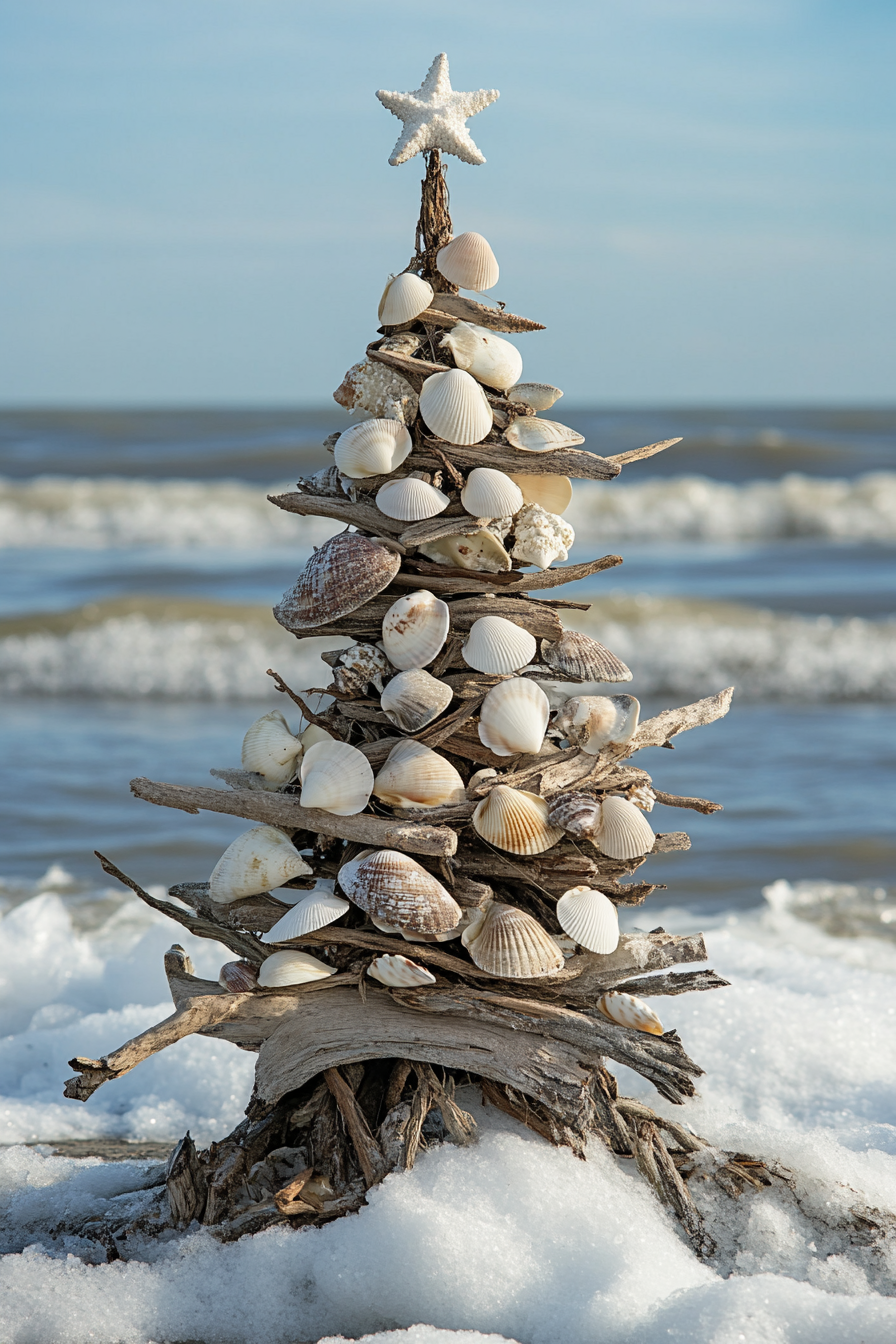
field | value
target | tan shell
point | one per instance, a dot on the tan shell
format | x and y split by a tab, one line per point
414	699
582	657
399	890
593	722
643	796
540	436
490	494
373	448
497	646
468	261
404	298
378	390
337	778
481	551
343	574
514	717
238	977
416	776
489	358
629	1011
455	408
509	943
591	918
399	972
410	500
540	396
271	750
260	859
553	493
624	832
515	821
576	813
415	629
291	967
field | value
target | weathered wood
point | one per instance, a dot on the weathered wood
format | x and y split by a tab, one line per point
367	622
510	582
682	982
369	1155
448	309
576	463
185	1183
636	454
366	517
656	732
414	371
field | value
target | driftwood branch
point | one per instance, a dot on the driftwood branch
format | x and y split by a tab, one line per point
636	454
447	309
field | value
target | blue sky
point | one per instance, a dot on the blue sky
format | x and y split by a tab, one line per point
696	196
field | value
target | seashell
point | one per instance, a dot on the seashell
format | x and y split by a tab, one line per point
315	910
415	629
314	733
489	358
496	646
576	813
269	749
623	832
373	448
593	722
490	494
455	408
642	796
515	821
630	1011
540	396
410	499
337	778
360	666
399	972
404	298
343	574
541	537
291	967
469	262
589	917
238	977
540	436
478	778
510	943
482	551
416	776
583	658
514	717
257	861
413	699
398	889
376	389
553	493
445	937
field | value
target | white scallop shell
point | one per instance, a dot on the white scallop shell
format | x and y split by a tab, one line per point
291	967
410	499
515	821
489	358
510	943
630	1011
624	833
514	717
593	722
413	699
404	298
337	778
398	889
316	910
552	492
468	261
416	776
269	749
540	396
257	861
399	972
589	917
490	494
540	436
481	551
373	448
455	408
415	629
496	646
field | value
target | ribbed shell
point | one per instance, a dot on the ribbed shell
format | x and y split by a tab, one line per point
238	977
415	629
399	972
593	722
410	500
624	832
404	298
290	967
468	261
341	576
490	494
540	436
399	890
540	396
269	749
497	646
258	860
576	813
481	551
373	448
413	699
514	717
589	917
582	657
416	776
337	778
455	408
629	1011
509	943
515	821
553	493
489	358
315	911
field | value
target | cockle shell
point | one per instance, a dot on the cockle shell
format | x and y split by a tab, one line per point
541	537
415	629
315	910
469	262
343	574
540	396
576	813
490	494
489	358
540	436
378	390
238	977
593	722
398	889
373	448
360	666
269	749
258	860
337	778
629	1011
448	936
582	657
455	408
399	972
291	967
552	492
410	500
515	821
508	942
624	833
404	298
589	917
413	699
496	646
514	717
642	796
314	733
416	776
481	551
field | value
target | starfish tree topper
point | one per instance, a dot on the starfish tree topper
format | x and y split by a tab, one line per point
434	116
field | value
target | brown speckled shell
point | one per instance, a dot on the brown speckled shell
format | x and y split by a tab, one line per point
576	813
239	977
341	576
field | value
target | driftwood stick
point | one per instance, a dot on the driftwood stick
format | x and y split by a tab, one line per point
574	462
695	804
658	731
678	983
511	582
368	1150
297	699
447	309
367	517
636	454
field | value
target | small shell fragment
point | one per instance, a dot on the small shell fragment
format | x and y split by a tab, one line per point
576	813
399	972
589	917
593	722
540	396
629	1011
643	796
359	666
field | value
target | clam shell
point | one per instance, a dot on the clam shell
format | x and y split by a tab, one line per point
510	943
540	436
413	699
593	722
629	1011
416	776
316	910
482	551
399	972
269	749
576	813
553	493
410	500
540	396
589	917
469	262
238	977
337	778
373	448
514	717
624	832
515	821
490	494
399	890
497	646
257	861
360	666
489	358
404	298
445	937
291	967
314	733
455	408
582	657
415	629
341	576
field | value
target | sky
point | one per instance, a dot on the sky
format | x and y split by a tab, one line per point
695	196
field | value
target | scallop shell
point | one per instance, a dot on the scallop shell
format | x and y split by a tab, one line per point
514	717
413	699
398	889
510	943
553	493
589	917
360	666
343	574
373	448
410	500
404	298
629	1011
291	967
577	813
515	821
593	722
481	551
399	972
238	977
540	436
497	646
624	833
455	408
490	494
469	262
337	778
269	749
582	657
489	358
257	861
316	910
540	396
416	776
415	629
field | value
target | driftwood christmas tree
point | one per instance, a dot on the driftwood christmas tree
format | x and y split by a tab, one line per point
447	842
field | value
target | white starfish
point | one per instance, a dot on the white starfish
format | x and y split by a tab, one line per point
434	116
